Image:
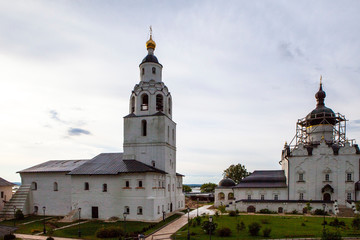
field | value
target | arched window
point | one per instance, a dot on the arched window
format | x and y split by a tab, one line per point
221	196
251	209
144	102
86	186
143	128
142	71
36	210
153	70
104	187
55	186
139	210
169	105
159	103
127	210
33	186
231	196
132	104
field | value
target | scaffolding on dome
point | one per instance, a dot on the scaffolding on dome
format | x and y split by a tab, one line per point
339	130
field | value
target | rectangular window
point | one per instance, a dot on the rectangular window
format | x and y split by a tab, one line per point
86	186
301	196
327	177
140	184
127	184
301	177
249	197
348	196
2	194
348	177
276	197
104	187
262	197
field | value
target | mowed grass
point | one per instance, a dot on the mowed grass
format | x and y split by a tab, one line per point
282	226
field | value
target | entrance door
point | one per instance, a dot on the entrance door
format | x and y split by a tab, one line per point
327	197
94	212
170	207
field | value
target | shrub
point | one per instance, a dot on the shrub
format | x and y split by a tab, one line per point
197	221
265	221
356	222
207	226
232	213
331	235
49	238
337	223
240	226
294	211
319	212
224	232
19	215
110	232
222	209
266	232
303	224
9	236
266	211
254	228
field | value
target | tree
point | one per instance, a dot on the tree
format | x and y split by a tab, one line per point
208	187
186	188
236	172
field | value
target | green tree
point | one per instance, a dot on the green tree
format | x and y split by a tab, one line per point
236	172
208	187
186	188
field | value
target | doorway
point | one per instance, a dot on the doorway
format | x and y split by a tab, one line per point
94	212
171	207
327	197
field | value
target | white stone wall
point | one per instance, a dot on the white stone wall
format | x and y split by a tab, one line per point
226	192
315	167
57	203
147	74
255	193
5	195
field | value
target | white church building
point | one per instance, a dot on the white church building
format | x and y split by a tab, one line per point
141	182
321	167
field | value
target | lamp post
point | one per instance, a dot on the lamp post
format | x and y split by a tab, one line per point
125	214
14	215
79	232
197	207
44	208
210	225
188	234
324	205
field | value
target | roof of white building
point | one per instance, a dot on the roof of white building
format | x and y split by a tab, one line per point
3	183
112	164
55	166
264	179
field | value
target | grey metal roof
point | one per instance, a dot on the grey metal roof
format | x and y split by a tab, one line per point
180	175
55	166
112	164
3	183
264	179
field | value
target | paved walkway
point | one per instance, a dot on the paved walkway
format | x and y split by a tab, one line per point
34	237
173	227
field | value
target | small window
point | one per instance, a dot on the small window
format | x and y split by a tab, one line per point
327	177
144	102
139	210
348	177
301	196
169	106
153	163
159	183
221	196
142	71
143	128
86	186
34	186
276	197
301	177
231	196
55	186
348	196
133	104
158	209
249	197
127	210
173	134
262	197
140	184
104	187
36	209
127	184
2	194
159	103
168	133
153	70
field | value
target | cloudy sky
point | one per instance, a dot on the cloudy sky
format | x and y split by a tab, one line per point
240	73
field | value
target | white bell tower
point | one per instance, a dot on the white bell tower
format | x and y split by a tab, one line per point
149	132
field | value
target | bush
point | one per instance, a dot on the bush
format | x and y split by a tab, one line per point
196	221
240	226
224	232
331	235
319	212
337	223
9	236
111	232
266	232
254	228
266	211
303	224
19	215
294	211
222	209
356	222
232	213
207	226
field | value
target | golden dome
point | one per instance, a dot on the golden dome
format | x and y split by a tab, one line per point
150	43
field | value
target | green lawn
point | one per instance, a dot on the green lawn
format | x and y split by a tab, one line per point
281	227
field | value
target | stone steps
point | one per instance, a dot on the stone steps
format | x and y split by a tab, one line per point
18	200
345	212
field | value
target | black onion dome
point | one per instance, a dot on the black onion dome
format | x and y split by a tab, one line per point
227	182
321	114
150	58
